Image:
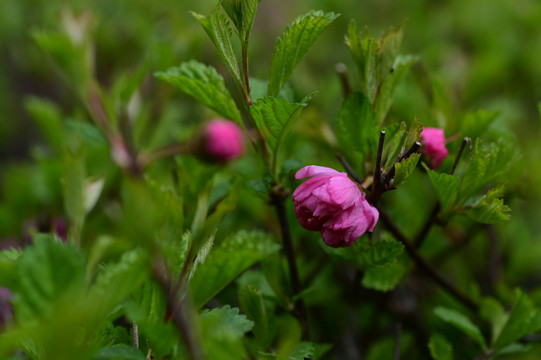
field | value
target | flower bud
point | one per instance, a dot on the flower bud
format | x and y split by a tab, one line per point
433	140
222	140
331	203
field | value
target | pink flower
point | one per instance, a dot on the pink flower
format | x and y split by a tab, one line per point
433	140
331	203
223	140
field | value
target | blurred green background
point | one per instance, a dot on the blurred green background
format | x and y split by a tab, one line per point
485	53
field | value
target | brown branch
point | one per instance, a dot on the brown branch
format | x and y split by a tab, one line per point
342	71
378	184
348	168
424	265
278	198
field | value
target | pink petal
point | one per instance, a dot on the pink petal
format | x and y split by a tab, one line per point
313	170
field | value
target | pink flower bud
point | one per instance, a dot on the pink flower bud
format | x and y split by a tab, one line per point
331	203
223	140
433	140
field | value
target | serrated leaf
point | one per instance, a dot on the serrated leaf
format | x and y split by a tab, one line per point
204	84
304	350
487	164
380	253
383	278
524	319
251	303
440	348
227	260
41	280
242	13
119	352
461	322
445	186
413	135
294	44
364	50
357	127
405	169
490	208
388	88
117	281
274	118
389	46
219	31
223	329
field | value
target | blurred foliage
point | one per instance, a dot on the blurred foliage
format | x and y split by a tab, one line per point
96	246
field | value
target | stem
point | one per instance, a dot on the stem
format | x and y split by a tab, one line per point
465	141
135	335
278	200
377	185
424	265
179	314
397	335
248	93
348	168
419	239
342	69
145	159
486	355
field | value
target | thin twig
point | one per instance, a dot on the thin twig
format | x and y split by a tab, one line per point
486	355
342	71
397	335
348	168
179	314
420	238
278	200
377	185
424	265
135	335
248	96
465	141
145	159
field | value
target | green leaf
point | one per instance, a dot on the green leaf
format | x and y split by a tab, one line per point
242	13
487	164
474	124
305	350
274	118
364	50
204	84
383	278
440	348
294	44
490	208
251	303
218	29
494	313
227	260
223	329
461	322
388	88
445	186
523	320
117	281
47	271
357	127
119	352
405	169
48	118
413	135
380	253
